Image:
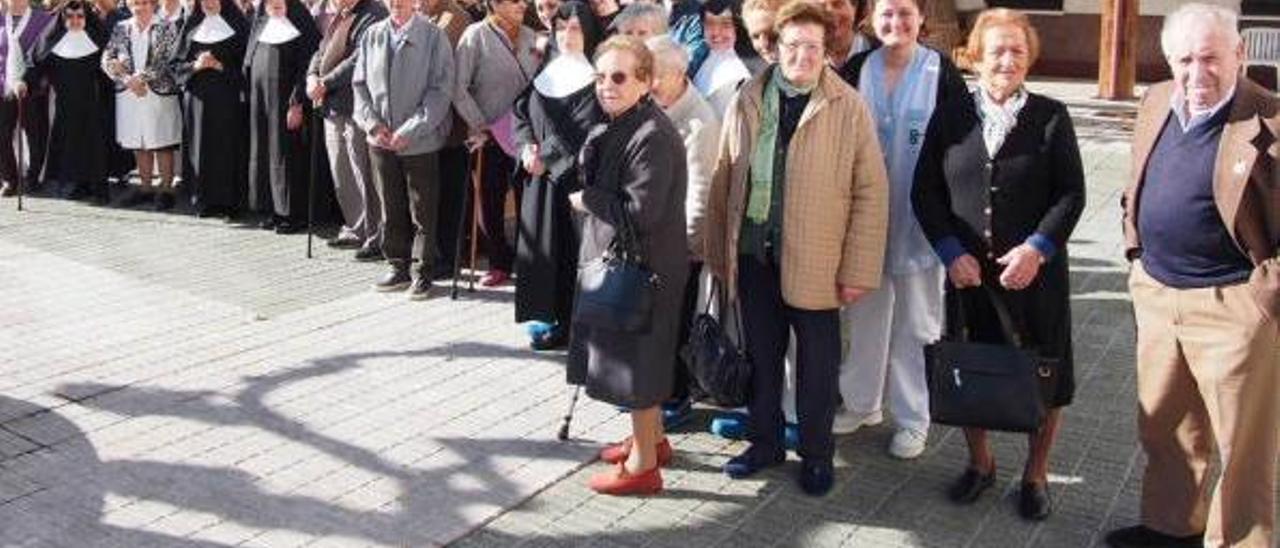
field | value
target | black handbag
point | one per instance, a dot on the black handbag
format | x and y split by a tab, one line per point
719	367
616	290
990	386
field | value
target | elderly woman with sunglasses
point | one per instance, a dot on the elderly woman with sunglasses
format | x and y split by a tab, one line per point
633	171
796	130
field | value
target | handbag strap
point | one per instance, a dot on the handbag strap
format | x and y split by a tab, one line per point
1010	330
719	295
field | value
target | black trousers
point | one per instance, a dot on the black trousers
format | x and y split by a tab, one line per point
453	186
495	181
410	190
767	322
35	126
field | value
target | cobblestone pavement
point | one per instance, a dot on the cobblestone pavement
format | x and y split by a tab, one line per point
172	381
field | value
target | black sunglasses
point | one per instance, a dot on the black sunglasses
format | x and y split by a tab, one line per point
618	78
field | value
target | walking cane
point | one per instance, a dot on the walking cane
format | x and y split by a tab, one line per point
457	241
568	415
21	170
316	124
476	181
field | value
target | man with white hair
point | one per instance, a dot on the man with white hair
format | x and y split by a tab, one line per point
1202	225
699	128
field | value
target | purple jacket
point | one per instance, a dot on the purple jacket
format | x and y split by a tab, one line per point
40	20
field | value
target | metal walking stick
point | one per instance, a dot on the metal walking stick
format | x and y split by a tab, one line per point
563	434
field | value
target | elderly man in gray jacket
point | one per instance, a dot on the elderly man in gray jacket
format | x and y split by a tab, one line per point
402	82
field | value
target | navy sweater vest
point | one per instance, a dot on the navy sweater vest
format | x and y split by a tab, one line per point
1185	243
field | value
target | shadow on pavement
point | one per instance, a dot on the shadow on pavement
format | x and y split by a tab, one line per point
438	492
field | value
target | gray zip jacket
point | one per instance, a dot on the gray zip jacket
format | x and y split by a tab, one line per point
404	83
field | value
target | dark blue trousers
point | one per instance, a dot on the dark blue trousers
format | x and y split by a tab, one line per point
768	322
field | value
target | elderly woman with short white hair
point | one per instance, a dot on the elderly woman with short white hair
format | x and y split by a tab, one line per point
641	20
699	128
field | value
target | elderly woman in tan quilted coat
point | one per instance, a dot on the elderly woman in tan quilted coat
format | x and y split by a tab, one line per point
796	227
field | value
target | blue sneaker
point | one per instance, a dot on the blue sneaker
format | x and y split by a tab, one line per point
731	425
751	461
791	436
676	413
537	329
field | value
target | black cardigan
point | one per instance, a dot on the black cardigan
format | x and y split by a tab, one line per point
951	84
1034	185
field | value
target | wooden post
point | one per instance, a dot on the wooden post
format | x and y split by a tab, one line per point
1118	49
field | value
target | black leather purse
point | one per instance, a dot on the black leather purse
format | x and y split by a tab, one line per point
616	290
719	366
991	386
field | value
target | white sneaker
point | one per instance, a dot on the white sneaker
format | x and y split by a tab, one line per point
908	443
848	422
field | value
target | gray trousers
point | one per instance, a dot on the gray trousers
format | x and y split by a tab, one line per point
349	162
410	190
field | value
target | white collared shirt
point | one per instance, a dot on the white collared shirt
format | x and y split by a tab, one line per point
1178	103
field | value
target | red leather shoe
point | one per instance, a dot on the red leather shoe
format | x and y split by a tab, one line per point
620	482
615	453
495	278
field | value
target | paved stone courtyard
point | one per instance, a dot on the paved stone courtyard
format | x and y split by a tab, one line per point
172	381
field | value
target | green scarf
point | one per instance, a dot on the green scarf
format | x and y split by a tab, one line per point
763	155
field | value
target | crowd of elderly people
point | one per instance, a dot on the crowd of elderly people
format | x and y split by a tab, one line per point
849	196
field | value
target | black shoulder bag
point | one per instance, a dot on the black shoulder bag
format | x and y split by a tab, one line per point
720	366
991	386
616	290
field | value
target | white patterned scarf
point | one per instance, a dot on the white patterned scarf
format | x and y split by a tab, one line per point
998	119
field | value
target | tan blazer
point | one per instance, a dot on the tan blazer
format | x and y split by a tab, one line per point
1246	179
836	198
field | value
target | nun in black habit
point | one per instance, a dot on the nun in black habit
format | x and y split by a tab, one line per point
69	58
283	38
552	120
208	66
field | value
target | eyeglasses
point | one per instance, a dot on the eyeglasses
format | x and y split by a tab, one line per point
768	36
73	15
809	48
618	78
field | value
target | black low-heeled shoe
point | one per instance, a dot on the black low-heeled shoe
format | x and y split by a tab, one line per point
1033	501
1139	536
971	485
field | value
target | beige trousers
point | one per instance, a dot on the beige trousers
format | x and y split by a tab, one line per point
1208	380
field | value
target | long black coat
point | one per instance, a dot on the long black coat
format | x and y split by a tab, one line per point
638	162
547	241
212	109
1035	184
